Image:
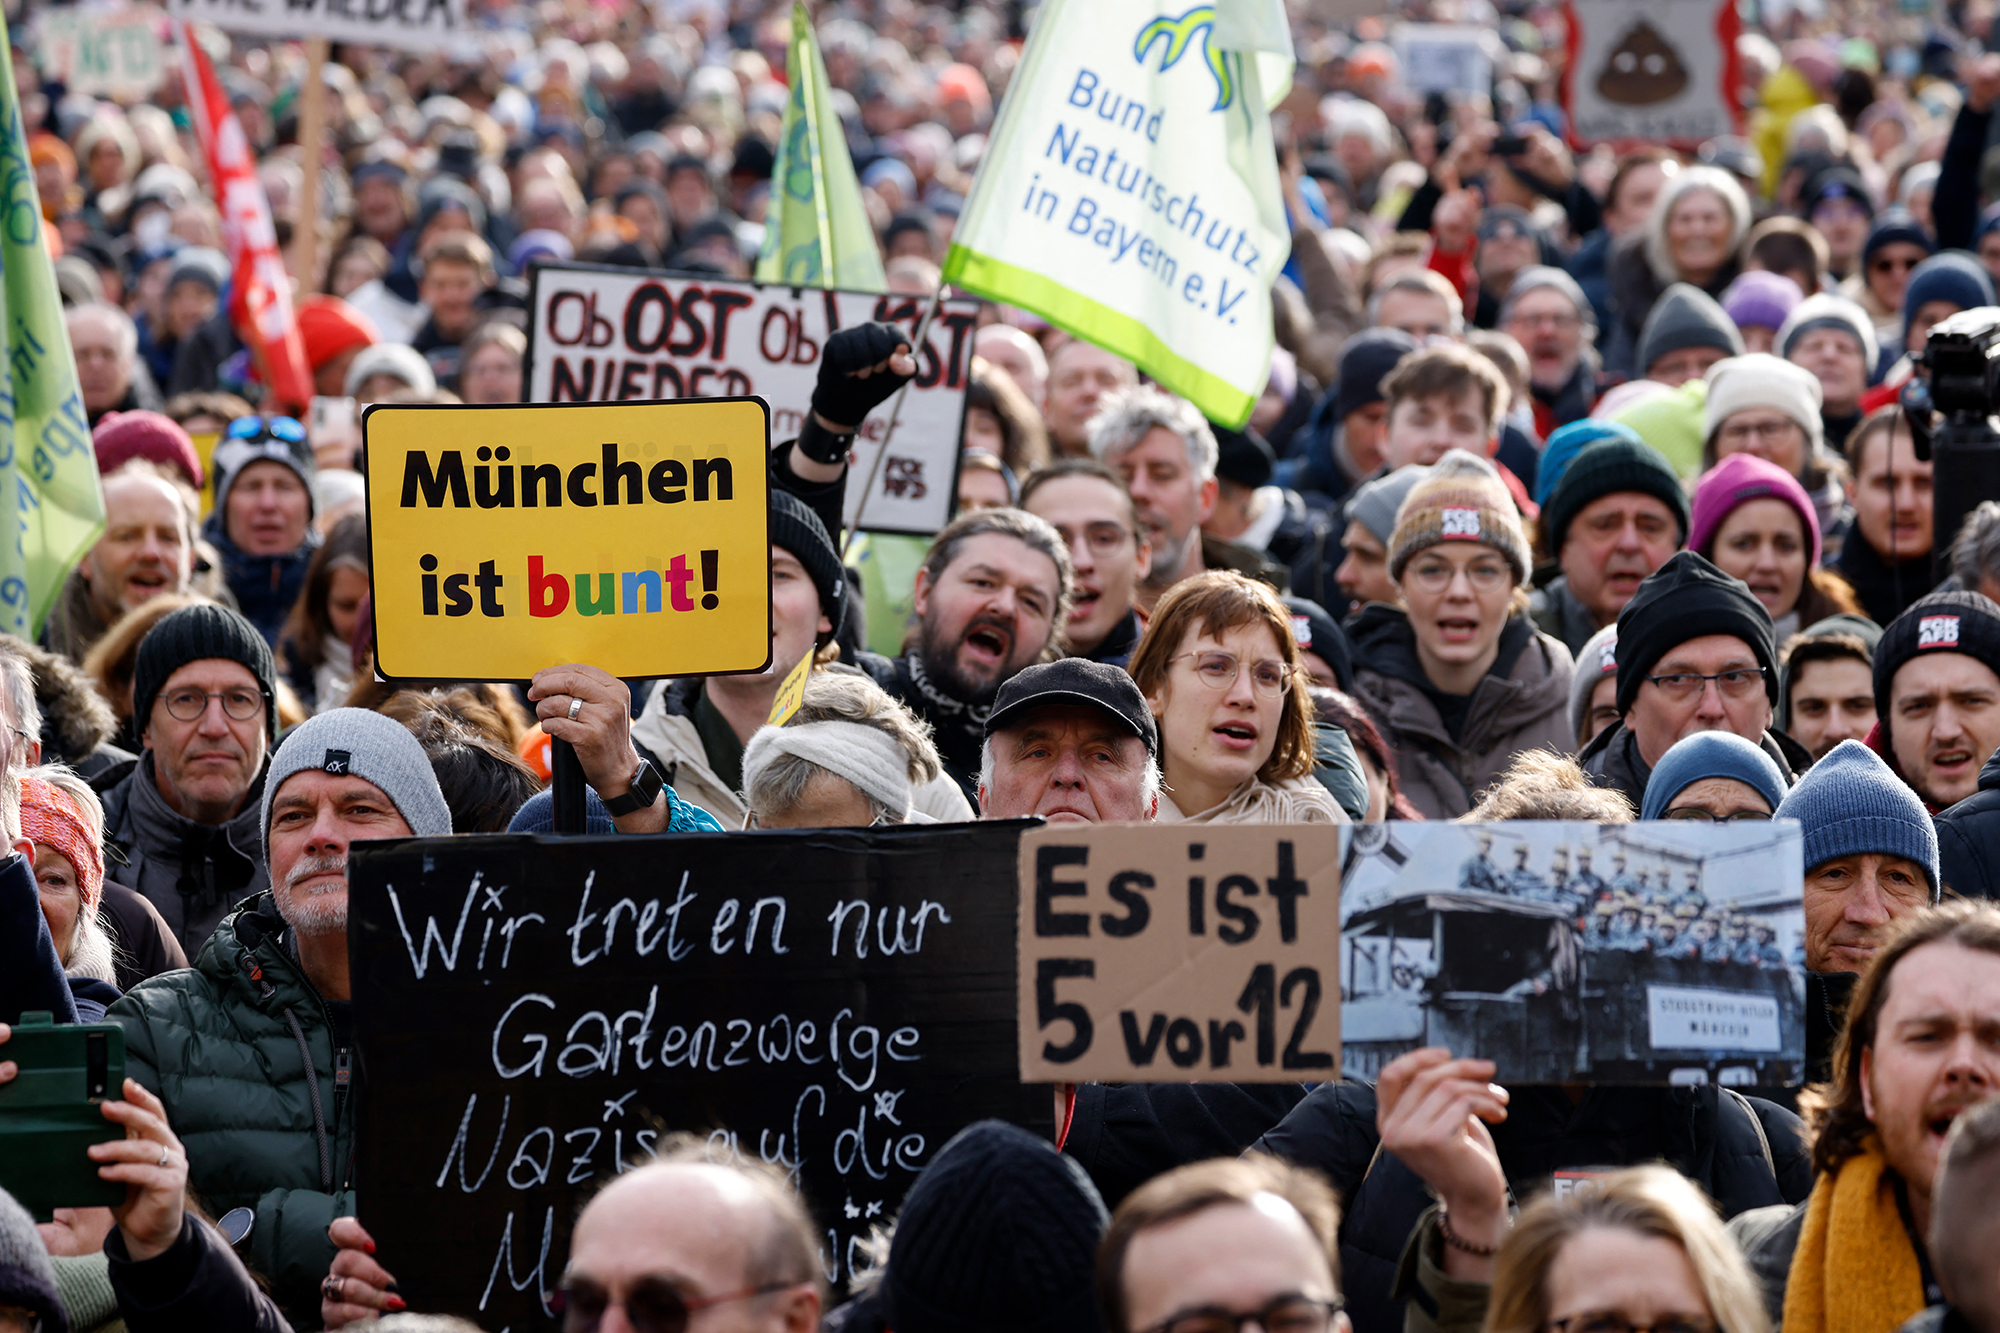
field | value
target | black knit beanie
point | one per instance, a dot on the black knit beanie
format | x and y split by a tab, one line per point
190	635
1687	598
1943	622
1606	467
796	528
998	1235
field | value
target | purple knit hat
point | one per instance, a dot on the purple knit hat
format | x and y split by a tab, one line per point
1736	479
1761	299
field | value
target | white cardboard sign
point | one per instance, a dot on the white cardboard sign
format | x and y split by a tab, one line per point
610	335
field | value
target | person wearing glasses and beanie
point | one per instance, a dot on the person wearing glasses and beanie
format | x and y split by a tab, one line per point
184	813
1764	405
1696	652
1716	777
1221	673
262	522
1458	676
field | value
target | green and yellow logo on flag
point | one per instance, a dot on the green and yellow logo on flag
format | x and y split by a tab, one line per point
46	459
816	231
1129	192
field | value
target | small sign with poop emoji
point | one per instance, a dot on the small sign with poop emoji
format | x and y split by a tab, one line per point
1660	78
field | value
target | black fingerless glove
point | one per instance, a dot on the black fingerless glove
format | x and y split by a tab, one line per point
839	396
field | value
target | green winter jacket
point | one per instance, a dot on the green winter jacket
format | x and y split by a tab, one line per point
223	1044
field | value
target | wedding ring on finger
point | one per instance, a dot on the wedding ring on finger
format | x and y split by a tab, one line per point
575	707
330	1289
163	1156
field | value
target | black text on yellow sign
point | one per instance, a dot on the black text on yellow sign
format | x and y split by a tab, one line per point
1193	952
632	536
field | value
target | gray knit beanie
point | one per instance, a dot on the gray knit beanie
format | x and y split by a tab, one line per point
1598	660
1374	504
1685	316
1537	276
1850	803
1825	310
27	1279
356	742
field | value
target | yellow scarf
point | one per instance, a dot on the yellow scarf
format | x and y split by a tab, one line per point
1855	1270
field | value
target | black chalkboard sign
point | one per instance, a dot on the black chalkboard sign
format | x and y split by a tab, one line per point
533	1012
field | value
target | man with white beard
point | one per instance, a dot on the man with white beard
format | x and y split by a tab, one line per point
251	1049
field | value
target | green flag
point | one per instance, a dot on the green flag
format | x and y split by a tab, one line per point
46	460
816	232
1129	192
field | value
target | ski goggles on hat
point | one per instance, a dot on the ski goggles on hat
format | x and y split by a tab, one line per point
254	430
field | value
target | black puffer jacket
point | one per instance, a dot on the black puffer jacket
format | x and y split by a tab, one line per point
255	1075
1745	1153
1969	838
197	1282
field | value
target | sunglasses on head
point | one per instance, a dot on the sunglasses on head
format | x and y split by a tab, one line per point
652	1304
254	429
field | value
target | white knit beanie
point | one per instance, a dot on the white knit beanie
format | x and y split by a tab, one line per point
868	757
1763	380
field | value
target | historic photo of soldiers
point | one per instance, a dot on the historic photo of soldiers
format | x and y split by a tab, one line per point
1663	952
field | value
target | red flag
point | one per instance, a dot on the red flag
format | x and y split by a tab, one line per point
260	301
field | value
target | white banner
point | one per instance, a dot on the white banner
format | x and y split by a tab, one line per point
115	53
1685	1018
615	335
1130	193
1658	71
422	25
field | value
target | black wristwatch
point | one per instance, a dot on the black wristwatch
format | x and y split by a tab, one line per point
645	790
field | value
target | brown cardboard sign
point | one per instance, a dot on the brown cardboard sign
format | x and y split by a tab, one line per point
1196	953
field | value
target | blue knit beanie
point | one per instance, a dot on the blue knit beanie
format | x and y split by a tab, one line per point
1711	754
1896	225
1850	803
1950	275
1567	441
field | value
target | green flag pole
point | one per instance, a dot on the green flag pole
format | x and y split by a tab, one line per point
816	229
48	462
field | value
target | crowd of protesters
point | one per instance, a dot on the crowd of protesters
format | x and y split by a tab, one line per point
1581	489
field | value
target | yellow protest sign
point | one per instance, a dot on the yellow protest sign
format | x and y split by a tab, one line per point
204	449
791	693
632	536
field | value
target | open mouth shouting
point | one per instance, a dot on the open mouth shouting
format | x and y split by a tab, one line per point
1083	602
986	644
1235	736
1953	761
1458	629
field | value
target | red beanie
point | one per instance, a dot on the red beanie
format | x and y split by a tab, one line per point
329	326
121	437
